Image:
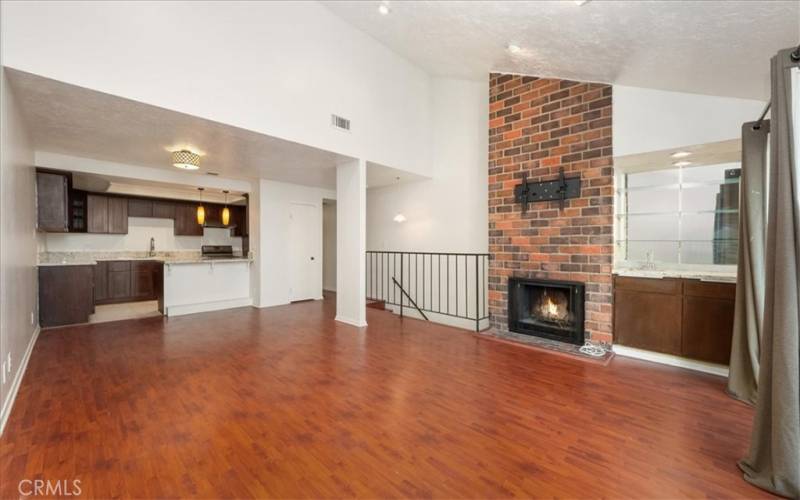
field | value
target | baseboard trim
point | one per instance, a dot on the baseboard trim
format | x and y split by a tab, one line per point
352	322
218	305
669	359
8	404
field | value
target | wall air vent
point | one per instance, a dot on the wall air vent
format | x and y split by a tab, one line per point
340	123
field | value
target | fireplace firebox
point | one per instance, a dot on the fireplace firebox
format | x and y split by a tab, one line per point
546	308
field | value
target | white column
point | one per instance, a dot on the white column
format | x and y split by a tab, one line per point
351	242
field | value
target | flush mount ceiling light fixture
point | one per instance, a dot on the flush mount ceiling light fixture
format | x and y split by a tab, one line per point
514	49
185	159
384	9
399	218
682	163
680	154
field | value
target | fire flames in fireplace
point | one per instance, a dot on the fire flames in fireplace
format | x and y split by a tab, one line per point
552	306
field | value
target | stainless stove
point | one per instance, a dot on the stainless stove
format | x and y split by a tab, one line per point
217	252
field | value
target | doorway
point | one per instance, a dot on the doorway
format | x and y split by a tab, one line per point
303	252
329	245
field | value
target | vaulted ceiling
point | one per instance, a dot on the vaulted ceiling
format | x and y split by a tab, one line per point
705	47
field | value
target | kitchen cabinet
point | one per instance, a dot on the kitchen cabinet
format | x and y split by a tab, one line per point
163	209
119	280
96	213
144	279
186	220
239	219
52	202
101	282
128	281
683	317
106	214
66	295
647	314
140	207
117	215
708	310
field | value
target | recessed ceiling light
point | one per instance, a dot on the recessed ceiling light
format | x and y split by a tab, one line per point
399	218
185	159
581	3
384	9
680	154
514	49
682	163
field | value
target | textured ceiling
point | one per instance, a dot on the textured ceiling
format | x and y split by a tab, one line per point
705	47
66	119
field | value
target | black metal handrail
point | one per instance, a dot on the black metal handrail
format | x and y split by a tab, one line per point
445	283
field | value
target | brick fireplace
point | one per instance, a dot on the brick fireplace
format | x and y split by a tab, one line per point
537	126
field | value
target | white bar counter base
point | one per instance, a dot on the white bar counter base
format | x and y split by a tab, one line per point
209	285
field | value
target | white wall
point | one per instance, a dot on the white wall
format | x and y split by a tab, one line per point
351	242
140	230
279	68
654	120
448	213
329	246
269	233
18	243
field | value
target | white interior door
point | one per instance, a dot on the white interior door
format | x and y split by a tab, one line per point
303	258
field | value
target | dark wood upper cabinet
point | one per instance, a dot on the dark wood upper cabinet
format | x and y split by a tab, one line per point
140	207
106	214
163	209
213	214
96	213
186	220
52	198
118	215
239	218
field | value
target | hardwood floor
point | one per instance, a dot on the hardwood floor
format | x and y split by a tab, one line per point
285	402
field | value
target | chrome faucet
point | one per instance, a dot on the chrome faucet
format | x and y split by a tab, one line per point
152	247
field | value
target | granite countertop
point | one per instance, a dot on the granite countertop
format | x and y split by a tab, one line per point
698	274
202	260
91	258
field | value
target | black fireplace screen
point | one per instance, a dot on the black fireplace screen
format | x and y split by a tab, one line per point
546	308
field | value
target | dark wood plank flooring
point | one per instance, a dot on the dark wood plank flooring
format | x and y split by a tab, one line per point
285	402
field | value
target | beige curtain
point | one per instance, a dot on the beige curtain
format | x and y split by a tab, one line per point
747	324
773	462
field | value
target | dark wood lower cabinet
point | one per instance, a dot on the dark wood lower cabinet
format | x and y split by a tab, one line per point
66	295
101	282
688	318
128	281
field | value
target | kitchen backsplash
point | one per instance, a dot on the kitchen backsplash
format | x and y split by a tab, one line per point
140	230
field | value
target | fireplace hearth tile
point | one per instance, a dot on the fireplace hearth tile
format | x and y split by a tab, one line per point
529	341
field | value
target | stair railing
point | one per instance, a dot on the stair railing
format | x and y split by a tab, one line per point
447	284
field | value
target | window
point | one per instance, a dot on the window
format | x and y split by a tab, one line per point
685	215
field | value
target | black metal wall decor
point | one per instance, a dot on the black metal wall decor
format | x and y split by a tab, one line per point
557	189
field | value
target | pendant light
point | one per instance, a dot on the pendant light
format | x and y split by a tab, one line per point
201	211
226	213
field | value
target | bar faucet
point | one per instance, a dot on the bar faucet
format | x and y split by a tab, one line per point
152	247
